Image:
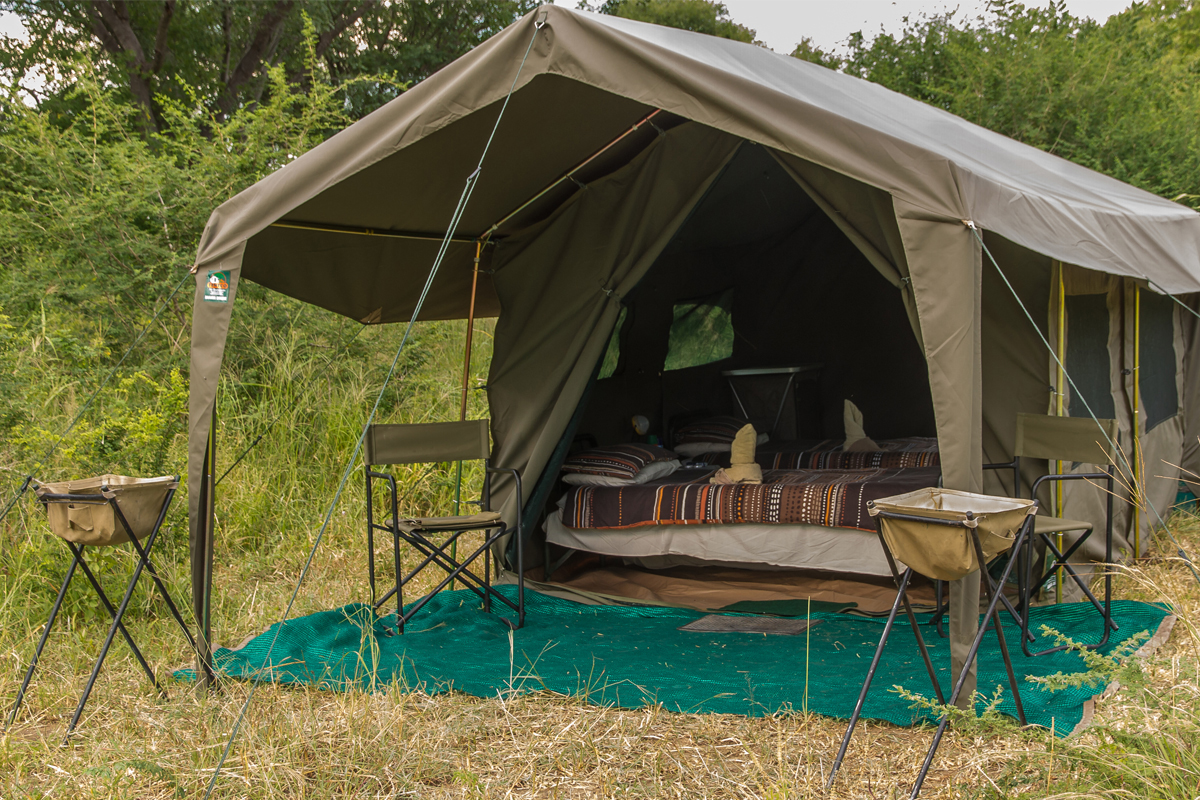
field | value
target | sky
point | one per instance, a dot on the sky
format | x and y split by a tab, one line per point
782	23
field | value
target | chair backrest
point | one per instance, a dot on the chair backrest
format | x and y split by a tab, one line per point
1066	438
428	442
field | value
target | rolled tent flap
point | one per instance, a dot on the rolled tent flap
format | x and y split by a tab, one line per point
945	263
560	285
212	307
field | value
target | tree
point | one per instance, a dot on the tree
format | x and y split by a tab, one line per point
220	51
1122	98
701	16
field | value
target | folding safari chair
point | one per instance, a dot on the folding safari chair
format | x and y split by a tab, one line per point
100	512
435	538
1075	439
944	535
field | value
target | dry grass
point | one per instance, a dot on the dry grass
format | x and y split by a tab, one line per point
304	742
308	743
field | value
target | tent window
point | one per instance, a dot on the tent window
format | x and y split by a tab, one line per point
701	332
1087	355
1156	372
612	355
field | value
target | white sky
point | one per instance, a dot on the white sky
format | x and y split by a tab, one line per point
783	23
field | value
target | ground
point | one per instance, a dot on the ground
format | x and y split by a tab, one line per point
305	742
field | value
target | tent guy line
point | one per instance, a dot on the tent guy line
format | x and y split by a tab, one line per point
1087	406
464	198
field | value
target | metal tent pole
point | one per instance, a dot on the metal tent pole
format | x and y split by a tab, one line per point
1138	478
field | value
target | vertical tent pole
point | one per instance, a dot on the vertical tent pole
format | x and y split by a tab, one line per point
462	412
1137	444
208	511
1060	379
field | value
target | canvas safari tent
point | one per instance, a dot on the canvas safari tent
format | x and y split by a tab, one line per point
847	219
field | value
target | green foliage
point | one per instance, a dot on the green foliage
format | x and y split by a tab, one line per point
989	722
221	53
1100	669
700	16
1121	98
701	332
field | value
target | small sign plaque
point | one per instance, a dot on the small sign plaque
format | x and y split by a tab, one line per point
216	288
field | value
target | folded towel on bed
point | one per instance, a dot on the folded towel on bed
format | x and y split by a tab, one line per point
743	468
856	438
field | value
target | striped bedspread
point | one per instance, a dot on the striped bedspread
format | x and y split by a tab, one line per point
913	451
834	498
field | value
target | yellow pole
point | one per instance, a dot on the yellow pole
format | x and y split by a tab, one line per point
1137	442
1059	381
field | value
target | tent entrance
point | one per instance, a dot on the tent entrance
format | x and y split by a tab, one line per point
759	275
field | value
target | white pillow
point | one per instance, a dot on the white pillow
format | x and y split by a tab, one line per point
693	449
657	469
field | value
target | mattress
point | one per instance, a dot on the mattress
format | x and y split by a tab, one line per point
798	546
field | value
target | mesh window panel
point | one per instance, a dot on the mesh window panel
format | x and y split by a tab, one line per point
701	332
1156	372
1087	355
612	355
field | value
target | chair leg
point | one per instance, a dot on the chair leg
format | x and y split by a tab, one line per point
41	645
399	583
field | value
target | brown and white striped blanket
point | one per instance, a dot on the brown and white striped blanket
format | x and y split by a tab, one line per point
834	498
912	451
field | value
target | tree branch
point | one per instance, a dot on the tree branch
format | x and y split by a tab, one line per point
160	36
260	46
112	26
339	27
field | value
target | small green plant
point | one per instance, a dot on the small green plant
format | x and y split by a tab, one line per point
1101	669
989	722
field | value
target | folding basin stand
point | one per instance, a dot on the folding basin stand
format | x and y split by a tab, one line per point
929	521
96	518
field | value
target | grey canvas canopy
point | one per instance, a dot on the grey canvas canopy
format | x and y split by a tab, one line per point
353	225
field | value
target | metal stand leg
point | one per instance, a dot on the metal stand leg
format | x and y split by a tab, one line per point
112	612
112	632
37	653
866	687
902	582
971	654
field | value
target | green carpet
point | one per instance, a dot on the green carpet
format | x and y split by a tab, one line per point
633	656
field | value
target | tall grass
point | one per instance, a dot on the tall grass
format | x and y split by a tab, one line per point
308	383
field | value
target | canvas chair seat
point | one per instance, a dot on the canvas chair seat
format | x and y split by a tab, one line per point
1048	525
463	522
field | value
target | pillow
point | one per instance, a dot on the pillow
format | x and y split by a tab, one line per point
659	469
712	435
618	460
714	429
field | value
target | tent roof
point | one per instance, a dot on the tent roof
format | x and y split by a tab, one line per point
587	79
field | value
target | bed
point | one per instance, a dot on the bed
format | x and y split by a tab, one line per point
797	518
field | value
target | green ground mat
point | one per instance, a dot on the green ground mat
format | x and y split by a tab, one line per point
633	656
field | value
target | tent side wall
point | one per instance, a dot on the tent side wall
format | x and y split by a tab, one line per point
560	285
